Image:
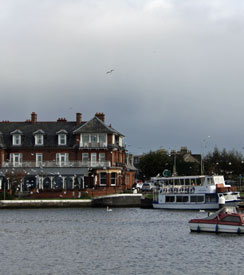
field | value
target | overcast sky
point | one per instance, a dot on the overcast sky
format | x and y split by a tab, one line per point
178	67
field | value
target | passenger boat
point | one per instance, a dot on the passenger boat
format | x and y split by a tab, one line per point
193	193
226	220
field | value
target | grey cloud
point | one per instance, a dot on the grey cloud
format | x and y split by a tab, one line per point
178	67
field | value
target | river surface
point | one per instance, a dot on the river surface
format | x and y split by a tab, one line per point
124	241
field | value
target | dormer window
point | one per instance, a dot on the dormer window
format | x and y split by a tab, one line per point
62	137
39	137
16	137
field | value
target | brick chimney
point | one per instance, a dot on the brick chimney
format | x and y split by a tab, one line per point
33	117
101	116
78	118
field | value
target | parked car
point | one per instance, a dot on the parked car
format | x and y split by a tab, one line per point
147	186
139	185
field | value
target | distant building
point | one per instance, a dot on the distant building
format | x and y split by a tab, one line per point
63	155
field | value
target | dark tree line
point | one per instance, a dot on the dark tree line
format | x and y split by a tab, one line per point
227	163
230	164
154	163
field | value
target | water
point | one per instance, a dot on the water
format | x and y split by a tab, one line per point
124	241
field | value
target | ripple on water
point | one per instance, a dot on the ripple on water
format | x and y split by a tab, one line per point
124	241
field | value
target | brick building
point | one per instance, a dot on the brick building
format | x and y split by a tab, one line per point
63	156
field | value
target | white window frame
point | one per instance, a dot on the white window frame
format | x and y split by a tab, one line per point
93	159
100	177
62	139
16	159
17	139
85	158
39	159
97	140
94	139
115	179
104	143
82	142
39	139
120	141
62	159
102	157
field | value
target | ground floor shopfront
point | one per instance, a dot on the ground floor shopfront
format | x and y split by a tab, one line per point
64	180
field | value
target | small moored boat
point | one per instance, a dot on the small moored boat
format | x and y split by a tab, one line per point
226	220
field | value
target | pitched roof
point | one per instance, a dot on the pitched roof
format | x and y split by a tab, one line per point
95	125
51	129
28	128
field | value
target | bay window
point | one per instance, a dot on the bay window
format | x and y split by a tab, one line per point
93	140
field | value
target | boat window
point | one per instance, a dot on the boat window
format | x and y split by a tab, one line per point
210	181
211	198
181	198
197	198
187	182
235	219
198	181
170	198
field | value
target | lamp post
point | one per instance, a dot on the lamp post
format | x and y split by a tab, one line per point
217	167
204	145
173	152
4	192
174	167
241	175
230	171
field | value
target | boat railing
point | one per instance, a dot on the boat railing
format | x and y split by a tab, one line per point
172	189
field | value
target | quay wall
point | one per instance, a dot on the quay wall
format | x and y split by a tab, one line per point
118	200
43	203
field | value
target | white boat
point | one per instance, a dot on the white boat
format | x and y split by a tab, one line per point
193	193
226	220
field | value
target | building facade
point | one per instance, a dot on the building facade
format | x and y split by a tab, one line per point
63	155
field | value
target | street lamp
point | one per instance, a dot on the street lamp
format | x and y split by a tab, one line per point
204	145
173	152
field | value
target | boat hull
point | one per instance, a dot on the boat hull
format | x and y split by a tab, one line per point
187	206
216	228
193	206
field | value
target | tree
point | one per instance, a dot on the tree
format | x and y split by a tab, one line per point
154	163
184	168
227	163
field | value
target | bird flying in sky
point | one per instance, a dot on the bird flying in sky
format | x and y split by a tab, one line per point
109	72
